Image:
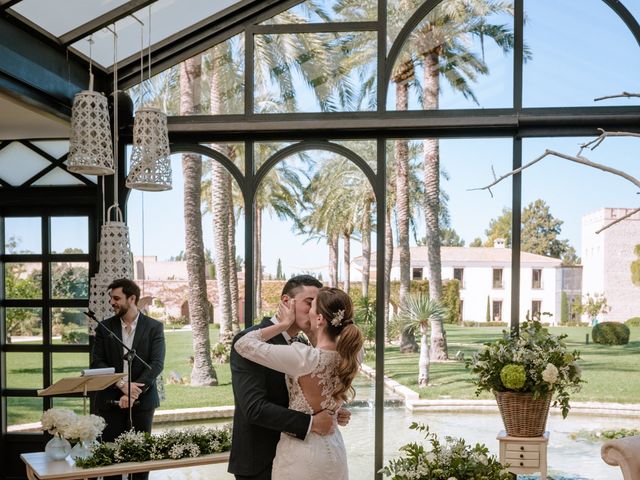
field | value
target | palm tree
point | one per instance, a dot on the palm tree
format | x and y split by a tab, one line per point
442	46
416	313
202	372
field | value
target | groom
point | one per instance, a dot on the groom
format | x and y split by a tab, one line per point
261	396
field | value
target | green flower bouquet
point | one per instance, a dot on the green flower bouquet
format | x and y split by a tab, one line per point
452	459
533	361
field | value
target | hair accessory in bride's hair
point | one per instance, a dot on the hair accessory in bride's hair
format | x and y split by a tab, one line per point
337	318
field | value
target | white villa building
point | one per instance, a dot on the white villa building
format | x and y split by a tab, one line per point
485	276
606	260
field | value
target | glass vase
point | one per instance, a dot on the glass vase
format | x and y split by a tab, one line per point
81	449
57	448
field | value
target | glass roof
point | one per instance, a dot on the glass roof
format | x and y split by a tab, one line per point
68	19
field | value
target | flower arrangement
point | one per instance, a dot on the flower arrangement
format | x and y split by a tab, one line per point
534	361
75	428
135	446
57	421
452	460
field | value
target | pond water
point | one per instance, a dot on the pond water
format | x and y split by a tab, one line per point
568	459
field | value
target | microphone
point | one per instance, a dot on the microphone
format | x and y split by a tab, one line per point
116	403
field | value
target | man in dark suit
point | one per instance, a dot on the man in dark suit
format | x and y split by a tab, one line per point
261	396
142	334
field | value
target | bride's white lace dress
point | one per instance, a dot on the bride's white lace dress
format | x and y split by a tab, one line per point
311	378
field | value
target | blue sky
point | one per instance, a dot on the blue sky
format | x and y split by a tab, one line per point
581	50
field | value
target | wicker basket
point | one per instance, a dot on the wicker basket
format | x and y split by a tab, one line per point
522	415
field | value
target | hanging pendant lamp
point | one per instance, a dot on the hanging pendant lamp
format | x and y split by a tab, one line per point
90	145
150	168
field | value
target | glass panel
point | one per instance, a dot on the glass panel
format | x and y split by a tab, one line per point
398	13
57	176
55	148
69	235
23	235
315	72
77	405
233	151
23	325
69	325
223	63
446	63
23	281
168	17
47	15
18	163
23	412
262	151
328	11
366	149
69	280
576	261
68	364
24	370
550	76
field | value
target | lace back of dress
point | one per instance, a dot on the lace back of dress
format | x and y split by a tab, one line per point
319	385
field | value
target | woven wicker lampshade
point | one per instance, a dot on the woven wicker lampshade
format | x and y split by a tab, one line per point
90	145
150	168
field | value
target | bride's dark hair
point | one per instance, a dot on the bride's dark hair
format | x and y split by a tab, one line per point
336	308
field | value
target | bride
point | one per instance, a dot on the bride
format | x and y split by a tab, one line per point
318	378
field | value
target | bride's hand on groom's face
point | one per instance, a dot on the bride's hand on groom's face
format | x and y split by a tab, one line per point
287	312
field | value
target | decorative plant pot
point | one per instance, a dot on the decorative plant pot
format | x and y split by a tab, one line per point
81	449
522	415
57	448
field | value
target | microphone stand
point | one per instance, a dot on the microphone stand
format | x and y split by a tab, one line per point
129	357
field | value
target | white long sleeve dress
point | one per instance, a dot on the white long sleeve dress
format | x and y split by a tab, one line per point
311	379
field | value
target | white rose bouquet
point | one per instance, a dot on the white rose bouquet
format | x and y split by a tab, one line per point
86	428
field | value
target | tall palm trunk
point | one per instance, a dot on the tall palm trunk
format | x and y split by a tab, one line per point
202	372
388	263
431	167
407	339
366	248
233	269
220	207
220	211
258	259
346	255
423	362
332	241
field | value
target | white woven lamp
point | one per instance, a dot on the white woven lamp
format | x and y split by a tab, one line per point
150	158
90	145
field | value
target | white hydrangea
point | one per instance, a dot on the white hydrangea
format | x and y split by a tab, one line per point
550	374
57	421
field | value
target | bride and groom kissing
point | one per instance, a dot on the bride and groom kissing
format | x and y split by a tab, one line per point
289	397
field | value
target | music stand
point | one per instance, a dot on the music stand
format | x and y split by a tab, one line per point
84	384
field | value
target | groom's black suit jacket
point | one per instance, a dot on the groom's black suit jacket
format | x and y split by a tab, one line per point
148	342
261	412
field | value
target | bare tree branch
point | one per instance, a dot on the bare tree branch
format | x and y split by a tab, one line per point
577	159
619	220
619	95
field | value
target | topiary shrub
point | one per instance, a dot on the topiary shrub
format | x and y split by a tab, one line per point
610	333
633	322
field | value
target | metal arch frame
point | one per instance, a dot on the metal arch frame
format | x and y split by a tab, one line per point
213	154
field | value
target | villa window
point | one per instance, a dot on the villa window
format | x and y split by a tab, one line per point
497	310
417	274
458	274
536	309
536	278
497	278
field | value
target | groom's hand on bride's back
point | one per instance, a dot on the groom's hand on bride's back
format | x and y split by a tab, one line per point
323	422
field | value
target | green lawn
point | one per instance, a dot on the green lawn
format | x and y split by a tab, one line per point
612	373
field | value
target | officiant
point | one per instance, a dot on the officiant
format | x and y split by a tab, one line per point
145	336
